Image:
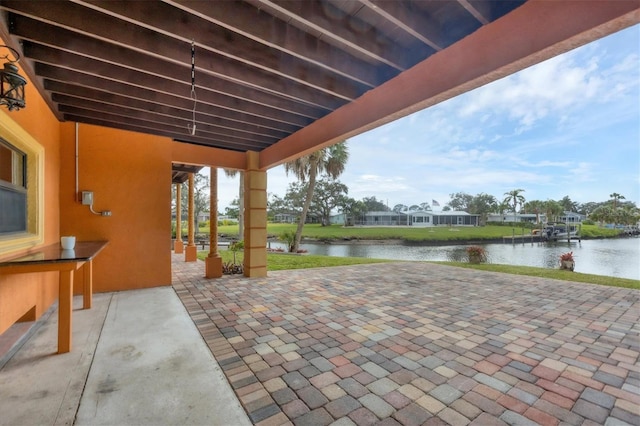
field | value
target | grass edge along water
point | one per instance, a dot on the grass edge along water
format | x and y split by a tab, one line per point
286	261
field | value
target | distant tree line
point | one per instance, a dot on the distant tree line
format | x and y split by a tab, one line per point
614	210
318	193
330	195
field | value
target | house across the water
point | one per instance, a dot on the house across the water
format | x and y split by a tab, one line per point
412	218
443	218
517	217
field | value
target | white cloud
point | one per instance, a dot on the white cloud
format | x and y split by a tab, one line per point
370	185
568	126
581	173
544	89
545	163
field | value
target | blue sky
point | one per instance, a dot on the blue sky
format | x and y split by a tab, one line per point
567	126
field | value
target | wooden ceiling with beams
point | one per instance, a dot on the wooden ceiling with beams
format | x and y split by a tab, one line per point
180	172
265	70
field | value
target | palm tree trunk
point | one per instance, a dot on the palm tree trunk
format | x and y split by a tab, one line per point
313	170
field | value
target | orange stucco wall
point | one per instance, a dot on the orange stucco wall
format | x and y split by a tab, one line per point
130	175
28	296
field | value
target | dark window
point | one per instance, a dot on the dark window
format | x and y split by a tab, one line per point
13	189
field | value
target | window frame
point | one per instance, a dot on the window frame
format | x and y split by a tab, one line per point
17	137
17	183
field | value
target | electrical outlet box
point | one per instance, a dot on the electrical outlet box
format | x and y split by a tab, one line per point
87	198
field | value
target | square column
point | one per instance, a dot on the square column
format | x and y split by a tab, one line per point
255	218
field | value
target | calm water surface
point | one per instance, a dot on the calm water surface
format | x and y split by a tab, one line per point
610	257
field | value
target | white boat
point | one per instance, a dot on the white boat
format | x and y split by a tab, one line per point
560	231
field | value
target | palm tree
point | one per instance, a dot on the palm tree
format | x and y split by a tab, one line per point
502	207
513	197
552	209
568	205
601	214
331	160
616	198
535	206
232	173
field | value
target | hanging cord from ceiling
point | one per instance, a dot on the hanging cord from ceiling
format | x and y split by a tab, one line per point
192	126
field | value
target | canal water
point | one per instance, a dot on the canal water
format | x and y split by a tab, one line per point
610	257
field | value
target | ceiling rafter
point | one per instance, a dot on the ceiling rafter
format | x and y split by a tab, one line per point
180	172
57	87
185	27
178	136
186	168
92	108
110	78
424	29
161	111
282	77
154	64
169	126
259	26
311	15
213	115
475	11
213	127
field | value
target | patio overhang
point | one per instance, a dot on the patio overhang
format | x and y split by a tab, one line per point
180	172
282	78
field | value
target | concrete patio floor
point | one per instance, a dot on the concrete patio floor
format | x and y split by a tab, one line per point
388	344
137	359
420	344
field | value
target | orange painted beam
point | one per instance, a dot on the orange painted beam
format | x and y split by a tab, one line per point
532	33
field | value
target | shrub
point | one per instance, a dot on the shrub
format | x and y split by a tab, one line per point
566	261
229	268
567	256
236	246
288	237
476	254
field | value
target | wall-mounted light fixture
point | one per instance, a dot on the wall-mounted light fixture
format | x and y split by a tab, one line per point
11	83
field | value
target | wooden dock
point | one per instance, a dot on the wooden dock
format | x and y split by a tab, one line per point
531	238
526	238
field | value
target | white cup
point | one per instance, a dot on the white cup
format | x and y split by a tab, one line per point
68	243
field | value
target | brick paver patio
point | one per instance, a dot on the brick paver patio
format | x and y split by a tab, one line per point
417	343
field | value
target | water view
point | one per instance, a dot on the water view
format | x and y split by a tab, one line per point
609	257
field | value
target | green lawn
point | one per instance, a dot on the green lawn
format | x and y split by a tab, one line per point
283	261
556	274
442	234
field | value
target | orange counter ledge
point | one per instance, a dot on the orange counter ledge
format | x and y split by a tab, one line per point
66	262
